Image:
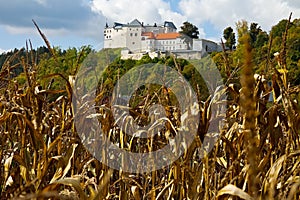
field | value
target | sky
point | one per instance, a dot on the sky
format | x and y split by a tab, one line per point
75	23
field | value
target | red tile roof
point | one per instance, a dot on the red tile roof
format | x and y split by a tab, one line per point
161	36
167	36
150	35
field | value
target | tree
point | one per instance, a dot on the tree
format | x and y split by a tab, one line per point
278	29
229	36
258	37
254	31
261	39
188	33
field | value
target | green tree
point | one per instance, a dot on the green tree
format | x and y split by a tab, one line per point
254	31
229	36
277	33
292	47
188	33
278	29
259	43
261	39
258	37
66	63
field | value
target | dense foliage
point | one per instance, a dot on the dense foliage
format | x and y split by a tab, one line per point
264	45
229	36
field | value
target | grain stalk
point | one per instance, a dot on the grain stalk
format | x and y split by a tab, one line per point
248	107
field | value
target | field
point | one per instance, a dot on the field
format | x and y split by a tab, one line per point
256	156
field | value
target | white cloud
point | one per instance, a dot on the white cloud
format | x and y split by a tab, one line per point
147	11
41	2
223	13
218	13
4	50
294	3
17	30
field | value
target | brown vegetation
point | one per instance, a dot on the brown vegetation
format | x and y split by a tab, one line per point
256	157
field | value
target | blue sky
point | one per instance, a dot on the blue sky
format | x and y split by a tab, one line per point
74	23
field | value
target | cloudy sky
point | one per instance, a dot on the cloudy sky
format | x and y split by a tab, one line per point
74	23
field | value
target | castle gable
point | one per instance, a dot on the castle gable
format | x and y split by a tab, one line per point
170	25
136	23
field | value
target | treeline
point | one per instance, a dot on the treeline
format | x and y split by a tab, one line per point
14	56
46	62
282	41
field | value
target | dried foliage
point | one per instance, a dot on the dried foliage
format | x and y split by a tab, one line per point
256	157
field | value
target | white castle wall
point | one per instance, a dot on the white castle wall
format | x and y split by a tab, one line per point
132	37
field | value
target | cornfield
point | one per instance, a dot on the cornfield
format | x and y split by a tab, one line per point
257	155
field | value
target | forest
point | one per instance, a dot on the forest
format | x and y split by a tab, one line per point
255	156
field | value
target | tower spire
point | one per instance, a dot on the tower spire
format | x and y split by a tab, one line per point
106	24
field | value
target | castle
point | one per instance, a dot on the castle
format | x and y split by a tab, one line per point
136	39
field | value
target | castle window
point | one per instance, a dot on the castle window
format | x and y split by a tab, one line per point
135	34
131	34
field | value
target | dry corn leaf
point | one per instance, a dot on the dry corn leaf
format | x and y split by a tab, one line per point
273	174
162	192
64	164
68	167
7	165
135	192
75	183
234	191
103	183
57	175
294	190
